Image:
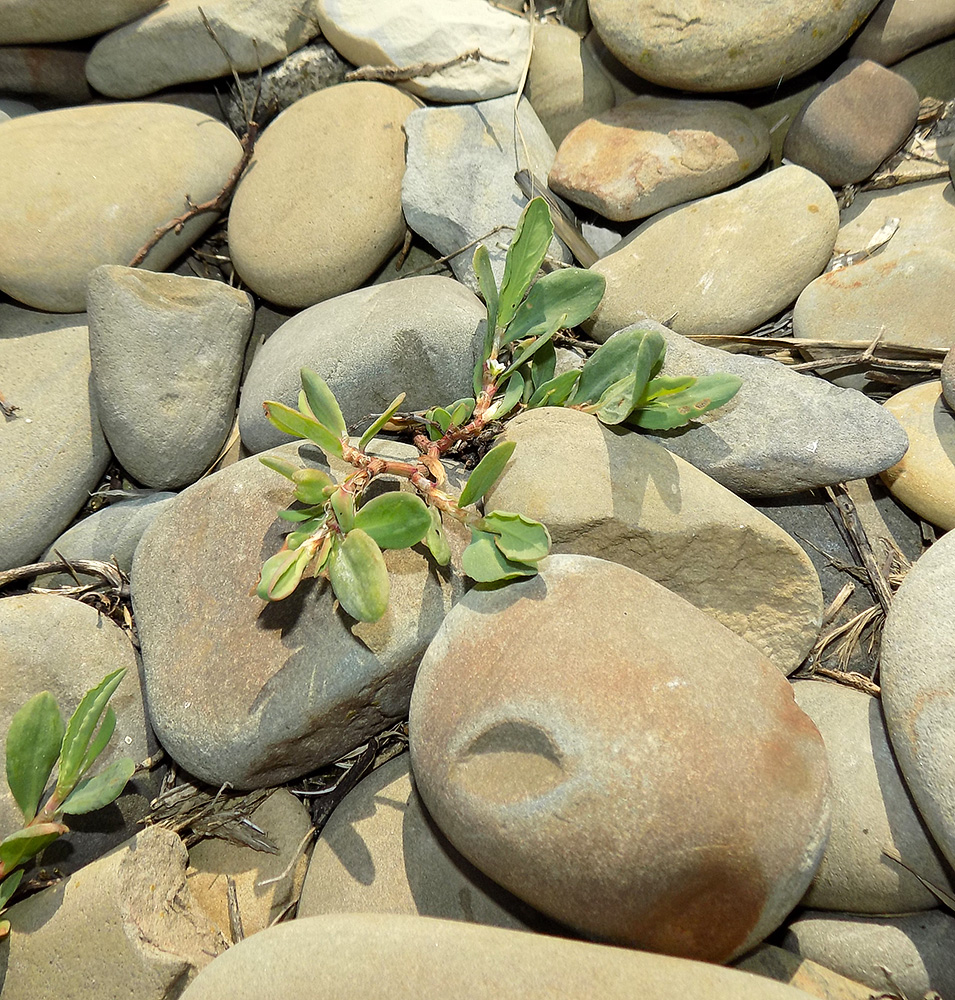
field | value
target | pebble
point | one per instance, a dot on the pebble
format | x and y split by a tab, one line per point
535	775
382	853
110	533
85	186
783	431
918	686
908	954
872	812
319	209
420	335
287	687
722	264
565	83
924	479
66	647
171	44
127	923
52	72
475	141
835	133
166	355
622	497
898	27
382	33
904	300
931	70
947	375
652	152
10	107
363	956
266	883
53	452
33	21
785	967
699	48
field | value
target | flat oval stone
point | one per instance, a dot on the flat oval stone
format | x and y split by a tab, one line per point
701	47
897	28
382	33
527	764
722	264
872	812
85	186
52	450
381	852
172	45
924	478
619	496
319	209
420	335
652	152
254	693
33	21
835	134
918	686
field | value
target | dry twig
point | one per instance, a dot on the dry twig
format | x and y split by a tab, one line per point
399	74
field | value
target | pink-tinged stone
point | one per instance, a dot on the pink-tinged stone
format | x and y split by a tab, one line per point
619	760
650	153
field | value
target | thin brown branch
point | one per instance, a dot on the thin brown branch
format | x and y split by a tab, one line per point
397	74
216	204
847	511
564	224
92	567
812	342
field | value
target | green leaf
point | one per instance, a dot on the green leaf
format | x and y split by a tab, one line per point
520	538
461	411
25	843
513	390
442	418
79	731
8	887
543	365
304	532
292	422
485	277
665	412
359	576
281	574
485	562
486	473
101	789
617	402
666	385
100	740
381	421
33	745
4	928
436	540
524	257
322	402
343	504
307	514
394	520
530	348
556	391
279	465
310	485
625	353
568	296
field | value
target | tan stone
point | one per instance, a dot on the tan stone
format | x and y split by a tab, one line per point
85	186
925	478
265	884
816	980
651	153
620	760
721	264
125	925
565	84
613	494
319	209
367	956
57	21
899	27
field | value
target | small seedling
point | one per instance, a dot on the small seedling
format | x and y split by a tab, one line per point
38	742
340	536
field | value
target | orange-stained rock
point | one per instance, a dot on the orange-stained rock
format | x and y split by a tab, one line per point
614	757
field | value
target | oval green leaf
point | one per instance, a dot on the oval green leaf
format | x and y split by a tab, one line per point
98	791
359	577
25	843
436	540
310	485
33	745
8	887
486	473
343	505
628	352
481	262
668	411
381	421
281	574
556	391
569	295
298	425
394	520
322	402
520	538
524	257
287	469
502	405
485	562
